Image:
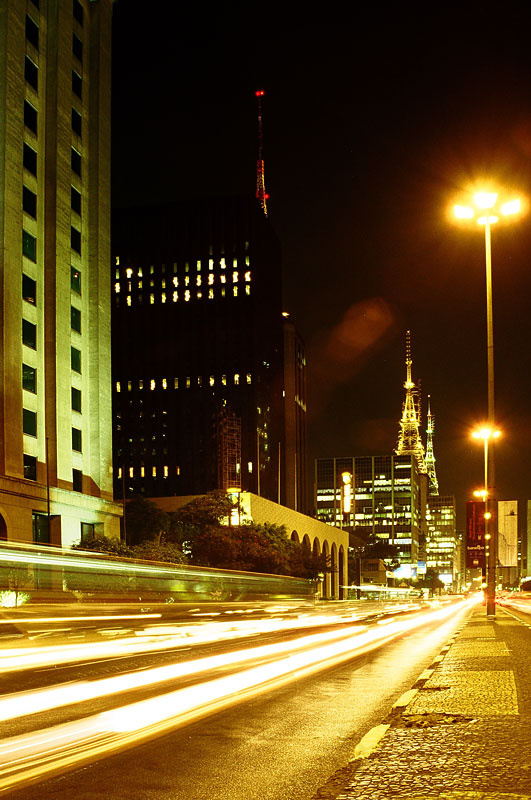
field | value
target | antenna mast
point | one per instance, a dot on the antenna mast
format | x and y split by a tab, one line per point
430	457
261	195
409	439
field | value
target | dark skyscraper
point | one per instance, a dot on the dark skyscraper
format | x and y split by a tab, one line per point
200	354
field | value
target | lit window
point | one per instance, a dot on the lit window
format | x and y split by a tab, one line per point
247	289
222	263
199	295
248	377
152	384
129	386
188	383
154	472
165	472
250	466
129	272
248	276
175	296
187	280
211	294
187	295
235	291
246	261
164	383
211	263
131	472
117	261
223	292
235	277
199	266
187	267
223	278
210	280
118	387
198	280
235	263
176	383
178	470
224	380
151	298
211	380
139	284
176	281
163	282
128	299
175	266
119	472
163	297
151	269
236	379
199	381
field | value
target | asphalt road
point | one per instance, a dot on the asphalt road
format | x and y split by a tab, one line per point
279	746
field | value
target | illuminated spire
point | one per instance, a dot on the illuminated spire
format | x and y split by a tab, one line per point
430	458
409	439
261	195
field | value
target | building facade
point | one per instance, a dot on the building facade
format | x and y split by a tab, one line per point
442	551
55	408
209	376
382	496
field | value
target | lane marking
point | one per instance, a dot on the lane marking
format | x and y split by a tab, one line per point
370	742
405	698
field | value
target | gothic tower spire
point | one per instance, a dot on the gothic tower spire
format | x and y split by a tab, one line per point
430	457
409	439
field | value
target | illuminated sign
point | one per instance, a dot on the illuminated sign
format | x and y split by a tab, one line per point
475	535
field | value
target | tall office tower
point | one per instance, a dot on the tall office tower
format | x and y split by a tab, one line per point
442	550
375	495
206	370
55	408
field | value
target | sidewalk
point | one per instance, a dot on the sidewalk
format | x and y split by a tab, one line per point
463	732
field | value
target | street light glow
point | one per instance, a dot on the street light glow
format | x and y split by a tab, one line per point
511	207
485	199
485	433
463	212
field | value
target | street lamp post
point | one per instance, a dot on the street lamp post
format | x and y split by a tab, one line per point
491	538
487	211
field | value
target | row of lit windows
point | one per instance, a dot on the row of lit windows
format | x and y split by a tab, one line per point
163	472
186	296
130	273
175	281
183	383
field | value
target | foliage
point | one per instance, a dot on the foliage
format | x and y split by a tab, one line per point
376	548
19	576
155	551
103	544
431	581
145	521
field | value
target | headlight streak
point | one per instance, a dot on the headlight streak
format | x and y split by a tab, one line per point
29	757
103	618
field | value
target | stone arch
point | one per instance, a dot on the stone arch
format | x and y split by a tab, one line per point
306	543
316	547
326	582
295	537
3	529
343	591
334	582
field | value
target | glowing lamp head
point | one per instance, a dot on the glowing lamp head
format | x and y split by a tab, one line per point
486	433
511	207
463	212
485	199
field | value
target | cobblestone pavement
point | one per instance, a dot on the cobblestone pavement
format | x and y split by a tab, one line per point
465	733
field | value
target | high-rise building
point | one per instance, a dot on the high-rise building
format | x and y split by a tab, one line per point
209	376
382	496
55	408
442	551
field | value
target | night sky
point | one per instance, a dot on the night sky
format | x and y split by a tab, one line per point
375	122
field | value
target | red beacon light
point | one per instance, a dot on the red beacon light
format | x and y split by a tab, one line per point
259	93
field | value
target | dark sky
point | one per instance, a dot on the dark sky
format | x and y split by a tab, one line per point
375	122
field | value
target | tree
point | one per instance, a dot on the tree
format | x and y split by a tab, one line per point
431	581
145	521
376	548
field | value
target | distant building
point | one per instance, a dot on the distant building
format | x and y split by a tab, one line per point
55	407
209	376
442	552
382	496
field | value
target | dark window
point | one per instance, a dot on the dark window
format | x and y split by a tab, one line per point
76	399
29	334
76	162
75	200
76	439
75	319
77	480
30	467
29	246
29	202
30	117
77	47
75	359
29	159
87	531
75	280
77	84
29	422
75	239
31	73
78	12
29	378
76	122
32	32
36	3
41	535
29	289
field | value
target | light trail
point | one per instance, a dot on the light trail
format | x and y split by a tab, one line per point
101	618
31	756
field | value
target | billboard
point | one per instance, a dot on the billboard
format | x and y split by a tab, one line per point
475	534
508	533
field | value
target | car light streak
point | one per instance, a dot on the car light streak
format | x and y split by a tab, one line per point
103	618
30	756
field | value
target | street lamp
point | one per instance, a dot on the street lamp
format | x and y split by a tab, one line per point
487	433
487	210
